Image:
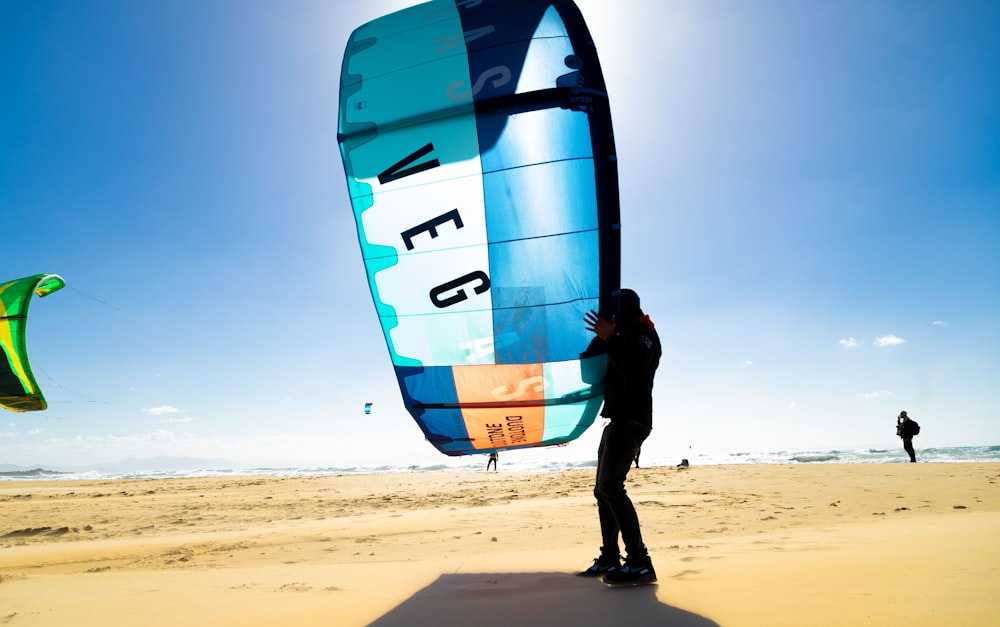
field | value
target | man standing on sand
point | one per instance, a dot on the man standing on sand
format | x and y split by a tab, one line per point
633	348
905	429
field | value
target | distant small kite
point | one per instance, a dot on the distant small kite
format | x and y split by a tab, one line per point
368	408
18	389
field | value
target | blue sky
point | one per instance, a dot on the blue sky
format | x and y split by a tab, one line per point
810	208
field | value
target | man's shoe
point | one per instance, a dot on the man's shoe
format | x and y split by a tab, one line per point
635	572
602	566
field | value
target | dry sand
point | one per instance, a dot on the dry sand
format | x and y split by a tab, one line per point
830	544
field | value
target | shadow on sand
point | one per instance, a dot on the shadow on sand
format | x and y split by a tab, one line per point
527	599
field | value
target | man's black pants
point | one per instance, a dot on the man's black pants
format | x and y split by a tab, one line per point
619	444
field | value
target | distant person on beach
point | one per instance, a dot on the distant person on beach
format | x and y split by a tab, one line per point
492	460
633	348
906	428
637	457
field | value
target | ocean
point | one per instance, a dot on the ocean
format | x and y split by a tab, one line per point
522	463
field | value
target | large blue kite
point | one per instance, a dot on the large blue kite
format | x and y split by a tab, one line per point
477	142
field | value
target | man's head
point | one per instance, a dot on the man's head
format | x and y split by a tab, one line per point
626	306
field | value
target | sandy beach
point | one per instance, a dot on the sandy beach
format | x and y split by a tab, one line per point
825	544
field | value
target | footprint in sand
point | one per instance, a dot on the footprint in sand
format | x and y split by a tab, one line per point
38	531
27	532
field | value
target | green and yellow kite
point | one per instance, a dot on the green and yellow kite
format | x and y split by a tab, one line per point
18	389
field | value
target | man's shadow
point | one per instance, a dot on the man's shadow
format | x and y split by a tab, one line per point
527	599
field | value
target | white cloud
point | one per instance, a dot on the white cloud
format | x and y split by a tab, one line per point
58	451
162	410
36	432
174	421
876	394
747	363
889	340
849	342
156	442
939	323
8	434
